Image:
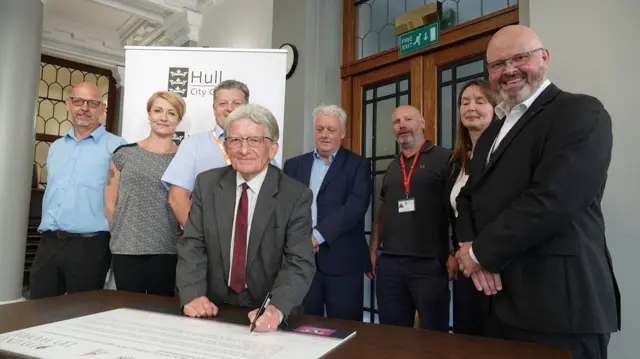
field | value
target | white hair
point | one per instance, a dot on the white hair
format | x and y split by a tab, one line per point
258	114
331	110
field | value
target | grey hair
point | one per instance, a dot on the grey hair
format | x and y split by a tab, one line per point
331	110
230	85
258	114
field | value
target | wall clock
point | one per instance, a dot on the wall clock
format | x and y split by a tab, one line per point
292	58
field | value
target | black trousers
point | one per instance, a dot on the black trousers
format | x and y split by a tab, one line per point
150	274
341	294
69	263
581	346
470	308
405	284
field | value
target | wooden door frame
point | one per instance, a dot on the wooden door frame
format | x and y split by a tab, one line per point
456	43
358	82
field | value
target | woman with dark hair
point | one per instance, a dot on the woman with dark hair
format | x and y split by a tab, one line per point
475	104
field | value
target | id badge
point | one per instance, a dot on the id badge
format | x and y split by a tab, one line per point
406	205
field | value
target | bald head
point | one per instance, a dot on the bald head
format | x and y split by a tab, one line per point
517	64
86	90
408	127
511	40
405	110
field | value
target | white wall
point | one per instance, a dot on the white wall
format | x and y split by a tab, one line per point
315	28
594	50
239	24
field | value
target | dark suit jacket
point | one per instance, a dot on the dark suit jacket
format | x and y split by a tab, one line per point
534	215
279	254
343	200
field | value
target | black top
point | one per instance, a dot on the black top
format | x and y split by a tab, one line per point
425	231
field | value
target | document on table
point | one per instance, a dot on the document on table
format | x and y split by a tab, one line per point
136	334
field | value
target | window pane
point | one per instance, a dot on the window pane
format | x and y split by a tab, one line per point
382	165
414	4
368	220
476	67
404	85
396	8
469	10
404	100
446	75
378	186
368	116
489	6
375	296
384	138
366	301
370	44
449	14
369	95
446	117
388	38
386	90
377	17
364	20
378	14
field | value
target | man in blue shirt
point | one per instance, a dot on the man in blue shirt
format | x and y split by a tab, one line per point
342	186
202	151
73	254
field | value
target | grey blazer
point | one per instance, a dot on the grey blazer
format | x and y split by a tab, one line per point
280	254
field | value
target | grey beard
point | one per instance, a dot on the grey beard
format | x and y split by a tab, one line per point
533	83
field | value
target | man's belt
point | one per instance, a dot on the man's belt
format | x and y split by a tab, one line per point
63	234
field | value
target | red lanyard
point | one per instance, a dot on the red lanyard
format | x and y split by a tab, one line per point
406	177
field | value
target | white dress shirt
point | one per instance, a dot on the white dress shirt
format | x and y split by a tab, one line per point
455	191
252	197
253	190
510	121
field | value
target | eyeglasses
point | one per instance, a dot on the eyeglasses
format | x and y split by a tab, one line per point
253	141
77	101
516	60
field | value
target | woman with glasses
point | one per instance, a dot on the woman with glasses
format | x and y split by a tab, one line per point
144	230
475	103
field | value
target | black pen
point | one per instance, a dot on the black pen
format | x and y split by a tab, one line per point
263	307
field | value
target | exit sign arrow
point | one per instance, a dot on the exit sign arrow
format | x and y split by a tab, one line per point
420	38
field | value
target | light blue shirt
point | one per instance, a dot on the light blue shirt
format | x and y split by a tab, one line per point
318	171
197	153
76	172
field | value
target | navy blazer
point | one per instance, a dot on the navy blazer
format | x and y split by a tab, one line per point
342	203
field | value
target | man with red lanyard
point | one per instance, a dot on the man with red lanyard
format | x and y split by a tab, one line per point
411	230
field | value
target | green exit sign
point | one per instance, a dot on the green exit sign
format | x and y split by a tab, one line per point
419	38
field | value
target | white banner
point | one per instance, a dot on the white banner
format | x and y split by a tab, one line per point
193	73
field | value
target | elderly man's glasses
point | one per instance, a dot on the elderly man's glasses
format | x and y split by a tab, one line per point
516	60
77	101
253	141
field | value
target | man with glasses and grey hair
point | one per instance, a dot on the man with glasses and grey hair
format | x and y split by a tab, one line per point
202	151
249	229
341	184
73	254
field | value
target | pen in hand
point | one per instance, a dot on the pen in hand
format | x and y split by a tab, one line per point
263	307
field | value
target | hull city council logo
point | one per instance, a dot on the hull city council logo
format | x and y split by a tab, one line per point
193	82
178	80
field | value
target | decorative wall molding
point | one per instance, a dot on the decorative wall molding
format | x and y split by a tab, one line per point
149	23
183	27
118	74
72	38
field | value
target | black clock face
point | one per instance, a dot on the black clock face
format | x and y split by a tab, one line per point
292	58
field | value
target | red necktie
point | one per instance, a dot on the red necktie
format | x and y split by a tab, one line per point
240	243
